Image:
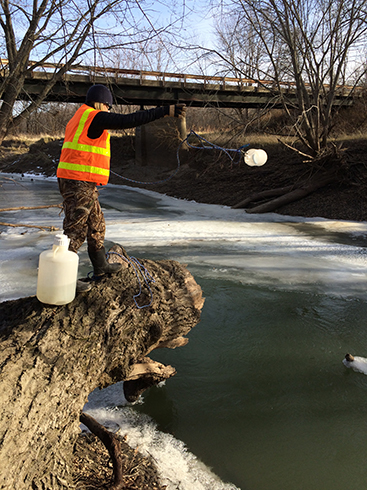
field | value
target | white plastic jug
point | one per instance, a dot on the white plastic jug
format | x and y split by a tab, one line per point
57	273
255	158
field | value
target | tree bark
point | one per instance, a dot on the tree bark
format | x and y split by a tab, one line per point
52	357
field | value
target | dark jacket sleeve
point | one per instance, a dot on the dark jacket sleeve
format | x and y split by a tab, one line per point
106	120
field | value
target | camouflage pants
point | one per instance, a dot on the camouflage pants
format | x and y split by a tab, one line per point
83	214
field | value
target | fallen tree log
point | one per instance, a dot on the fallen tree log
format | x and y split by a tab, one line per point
53	357
263	195
284	195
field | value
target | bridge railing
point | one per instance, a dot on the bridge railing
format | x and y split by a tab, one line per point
184	79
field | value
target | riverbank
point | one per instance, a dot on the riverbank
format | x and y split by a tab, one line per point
210	176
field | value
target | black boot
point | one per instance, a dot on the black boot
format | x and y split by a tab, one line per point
100	264
83	286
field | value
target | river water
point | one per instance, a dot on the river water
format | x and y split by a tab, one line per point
261	400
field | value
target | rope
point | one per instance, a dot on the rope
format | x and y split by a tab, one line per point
239	151
147	278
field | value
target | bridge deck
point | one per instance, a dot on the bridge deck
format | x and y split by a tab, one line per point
157	88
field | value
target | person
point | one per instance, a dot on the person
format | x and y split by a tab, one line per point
85	164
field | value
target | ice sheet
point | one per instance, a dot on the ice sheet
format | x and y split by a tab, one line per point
265	249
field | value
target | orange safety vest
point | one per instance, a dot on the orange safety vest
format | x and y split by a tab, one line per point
83	158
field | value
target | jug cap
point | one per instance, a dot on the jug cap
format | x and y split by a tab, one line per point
61	240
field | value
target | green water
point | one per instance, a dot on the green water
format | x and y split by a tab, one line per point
261	395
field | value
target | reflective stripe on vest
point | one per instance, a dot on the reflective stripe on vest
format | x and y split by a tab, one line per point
81	161
84	168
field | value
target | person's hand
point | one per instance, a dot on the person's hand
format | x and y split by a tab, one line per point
178	110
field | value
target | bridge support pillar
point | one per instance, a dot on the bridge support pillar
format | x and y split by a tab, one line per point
156	143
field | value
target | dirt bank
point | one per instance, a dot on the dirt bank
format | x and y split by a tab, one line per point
210	177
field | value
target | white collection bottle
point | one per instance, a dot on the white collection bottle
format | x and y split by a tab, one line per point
57	273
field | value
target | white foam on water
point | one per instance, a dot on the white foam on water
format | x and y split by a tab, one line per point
359	364
177	467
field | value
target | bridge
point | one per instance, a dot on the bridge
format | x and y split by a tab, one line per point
153	88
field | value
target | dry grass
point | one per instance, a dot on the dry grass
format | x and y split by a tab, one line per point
215	126
29	139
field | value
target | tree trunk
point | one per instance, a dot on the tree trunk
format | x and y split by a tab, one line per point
13	87
52	357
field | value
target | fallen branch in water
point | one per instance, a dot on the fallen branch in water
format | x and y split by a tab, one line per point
31	207
51	228
137	472
4	179
112	444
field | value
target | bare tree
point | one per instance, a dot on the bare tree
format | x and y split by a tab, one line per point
312	44
239	46
64	33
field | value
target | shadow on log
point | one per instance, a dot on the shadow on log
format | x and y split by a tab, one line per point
53	357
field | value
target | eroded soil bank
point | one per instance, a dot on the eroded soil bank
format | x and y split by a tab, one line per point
210	177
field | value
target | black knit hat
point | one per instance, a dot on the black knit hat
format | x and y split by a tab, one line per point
99	93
